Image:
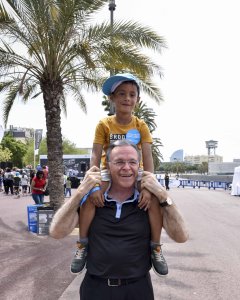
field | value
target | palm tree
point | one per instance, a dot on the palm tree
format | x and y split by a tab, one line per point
52	47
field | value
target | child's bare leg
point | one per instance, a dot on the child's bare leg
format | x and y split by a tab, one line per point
155	217
159	263
155	220
104	186
87	213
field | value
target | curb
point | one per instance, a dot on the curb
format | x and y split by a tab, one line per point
72	291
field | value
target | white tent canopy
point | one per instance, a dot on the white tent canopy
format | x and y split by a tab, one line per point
236	182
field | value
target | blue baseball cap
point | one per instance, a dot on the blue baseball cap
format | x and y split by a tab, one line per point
110	85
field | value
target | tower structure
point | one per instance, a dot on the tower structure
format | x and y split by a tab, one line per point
211	146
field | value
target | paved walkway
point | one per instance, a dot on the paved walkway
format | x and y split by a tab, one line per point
37	267
193	259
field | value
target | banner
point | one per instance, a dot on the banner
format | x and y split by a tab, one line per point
38	139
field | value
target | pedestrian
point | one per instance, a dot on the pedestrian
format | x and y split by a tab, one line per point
38	187
119	249
31	176
64	183
24	183
166	180
68	187
45	171
124	91
38	167
1	180
8	181
17	184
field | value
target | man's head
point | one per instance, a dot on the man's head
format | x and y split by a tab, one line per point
123	158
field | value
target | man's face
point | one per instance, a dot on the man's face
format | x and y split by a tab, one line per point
123	166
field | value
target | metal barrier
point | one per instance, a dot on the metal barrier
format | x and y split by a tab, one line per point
206	184
196	183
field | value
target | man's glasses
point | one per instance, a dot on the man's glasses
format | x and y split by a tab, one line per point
121	163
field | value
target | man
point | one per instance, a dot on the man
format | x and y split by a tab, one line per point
118	259
166	179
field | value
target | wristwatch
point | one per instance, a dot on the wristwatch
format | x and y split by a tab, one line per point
167	202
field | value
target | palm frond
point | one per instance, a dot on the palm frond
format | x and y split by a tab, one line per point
147	114
8	102
78	97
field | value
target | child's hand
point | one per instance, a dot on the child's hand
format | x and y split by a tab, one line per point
97	198
145	199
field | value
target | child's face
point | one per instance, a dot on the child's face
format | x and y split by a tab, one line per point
125	97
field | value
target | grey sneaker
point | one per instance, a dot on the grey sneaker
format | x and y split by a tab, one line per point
159	263
79	260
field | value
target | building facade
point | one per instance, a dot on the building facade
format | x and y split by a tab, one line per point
199	159
177	156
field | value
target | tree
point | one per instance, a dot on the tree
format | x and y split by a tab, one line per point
5	154
51	48
17	148
203	168
28	158
68	148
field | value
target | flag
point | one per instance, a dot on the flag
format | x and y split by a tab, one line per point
38	139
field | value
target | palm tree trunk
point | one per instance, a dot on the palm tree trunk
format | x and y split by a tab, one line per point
52	93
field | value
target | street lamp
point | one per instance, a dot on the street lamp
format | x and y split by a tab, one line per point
111	7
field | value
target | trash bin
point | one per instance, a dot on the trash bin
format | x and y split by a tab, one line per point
44	218
32	217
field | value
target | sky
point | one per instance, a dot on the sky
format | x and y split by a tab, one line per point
200	87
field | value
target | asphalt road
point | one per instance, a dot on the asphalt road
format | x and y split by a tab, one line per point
205	267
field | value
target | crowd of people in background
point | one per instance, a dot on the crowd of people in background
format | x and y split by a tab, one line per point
22	182
18	182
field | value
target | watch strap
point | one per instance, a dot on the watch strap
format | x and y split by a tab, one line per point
167	202
163	204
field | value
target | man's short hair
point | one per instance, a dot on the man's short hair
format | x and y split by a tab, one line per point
121	143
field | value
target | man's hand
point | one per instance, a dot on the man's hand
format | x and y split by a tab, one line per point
91	178
145	199
97	198
150	183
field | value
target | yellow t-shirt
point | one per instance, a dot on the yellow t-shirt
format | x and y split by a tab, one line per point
109	131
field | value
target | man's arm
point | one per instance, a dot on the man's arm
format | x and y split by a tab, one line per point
173	221
174	224
66	218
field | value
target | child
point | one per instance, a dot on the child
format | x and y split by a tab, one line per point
68	187
123	91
